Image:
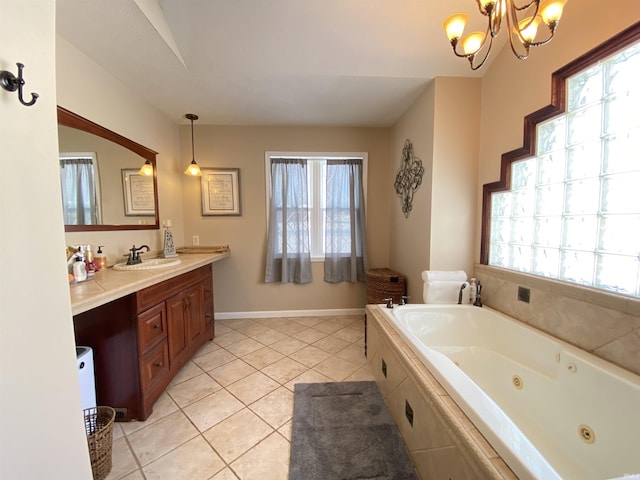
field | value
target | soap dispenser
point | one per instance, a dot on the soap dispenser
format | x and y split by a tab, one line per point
169	246
100	258
80	270
473	291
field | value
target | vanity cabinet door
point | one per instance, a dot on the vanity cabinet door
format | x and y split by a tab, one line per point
186	321
207	288
178	340
194	314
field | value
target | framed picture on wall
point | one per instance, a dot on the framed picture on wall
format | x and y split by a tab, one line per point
220	191
138	190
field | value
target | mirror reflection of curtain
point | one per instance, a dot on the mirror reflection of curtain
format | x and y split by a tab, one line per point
80	189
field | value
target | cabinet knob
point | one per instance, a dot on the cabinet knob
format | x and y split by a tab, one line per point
160	364
156	326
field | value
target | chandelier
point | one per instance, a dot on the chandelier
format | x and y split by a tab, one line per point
522	24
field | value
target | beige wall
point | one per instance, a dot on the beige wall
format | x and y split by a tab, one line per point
410	245
239	280
455	173
87	89
438	234
603	324
41	426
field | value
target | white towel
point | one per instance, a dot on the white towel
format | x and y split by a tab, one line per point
443	275
445	292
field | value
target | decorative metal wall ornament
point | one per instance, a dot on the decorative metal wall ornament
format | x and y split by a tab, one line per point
409	177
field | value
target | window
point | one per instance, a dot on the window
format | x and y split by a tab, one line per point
316	173
315	208
573	212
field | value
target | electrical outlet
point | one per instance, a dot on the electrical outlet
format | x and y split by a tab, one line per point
524	294
196	240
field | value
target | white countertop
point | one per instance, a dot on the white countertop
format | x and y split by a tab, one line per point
108	285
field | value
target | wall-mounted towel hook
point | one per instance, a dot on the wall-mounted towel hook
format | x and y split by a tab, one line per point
11	83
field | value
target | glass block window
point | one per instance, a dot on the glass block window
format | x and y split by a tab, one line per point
573	211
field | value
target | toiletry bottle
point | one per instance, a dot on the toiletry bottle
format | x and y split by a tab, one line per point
80	270
89	261
472	291
101	259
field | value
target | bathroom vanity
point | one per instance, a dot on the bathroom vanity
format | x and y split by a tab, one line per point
144	326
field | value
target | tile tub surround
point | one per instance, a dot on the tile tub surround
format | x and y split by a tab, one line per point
442	443
603	324
227	414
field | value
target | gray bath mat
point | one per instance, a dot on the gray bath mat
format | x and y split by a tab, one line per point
343	431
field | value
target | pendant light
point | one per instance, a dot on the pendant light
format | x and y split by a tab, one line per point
146	169
193	168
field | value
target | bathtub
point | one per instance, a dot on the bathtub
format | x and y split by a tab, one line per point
550	410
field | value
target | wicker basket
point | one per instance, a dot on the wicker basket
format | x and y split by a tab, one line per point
383	283
98	423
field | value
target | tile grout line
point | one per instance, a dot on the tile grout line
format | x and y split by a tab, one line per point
248	324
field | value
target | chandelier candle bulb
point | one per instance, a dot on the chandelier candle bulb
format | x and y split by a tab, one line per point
551	11
472	43
528	28
454	25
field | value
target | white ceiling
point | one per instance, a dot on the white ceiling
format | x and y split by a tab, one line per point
270	62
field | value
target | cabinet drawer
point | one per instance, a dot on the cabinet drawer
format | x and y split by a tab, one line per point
155	294
152	326
154	366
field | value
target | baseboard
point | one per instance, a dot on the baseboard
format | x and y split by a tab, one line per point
289	313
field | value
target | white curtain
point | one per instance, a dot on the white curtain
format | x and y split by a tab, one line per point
345	242
288	252
80	203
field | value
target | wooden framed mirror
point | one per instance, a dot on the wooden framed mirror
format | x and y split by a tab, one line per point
120	198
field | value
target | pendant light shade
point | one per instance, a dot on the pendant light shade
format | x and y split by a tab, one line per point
146	169
193	168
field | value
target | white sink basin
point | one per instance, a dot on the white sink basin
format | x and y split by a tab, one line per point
149	264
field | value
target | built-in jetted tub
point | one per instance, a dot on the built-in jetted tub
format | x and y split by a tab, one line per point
550	410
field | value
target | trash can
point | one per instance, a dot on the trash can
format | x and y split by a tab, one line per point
98	424
385	283
84	356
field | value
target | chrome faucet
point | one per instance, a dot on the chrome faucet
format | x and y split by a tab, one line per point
389	302
134	255
462	287
478	301
403	300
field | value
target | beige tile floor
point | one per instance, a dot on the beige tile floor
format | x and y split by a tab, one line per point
227	414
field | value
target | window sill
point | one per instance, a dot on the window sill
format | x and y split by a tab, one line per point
620	303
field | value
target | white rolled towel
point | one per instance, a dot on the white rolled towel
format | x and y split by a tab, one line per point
445	292
443	275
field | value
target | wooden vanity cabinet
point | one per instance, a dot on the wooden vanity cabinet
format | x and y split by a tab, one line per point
140	342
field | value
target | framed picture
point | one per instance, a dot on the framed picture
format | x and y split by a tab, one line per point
220	191
138	193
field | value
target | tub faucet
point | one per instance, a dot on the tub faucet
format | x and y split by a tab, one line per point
389	302
403	300
134	255
462	287
478	301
